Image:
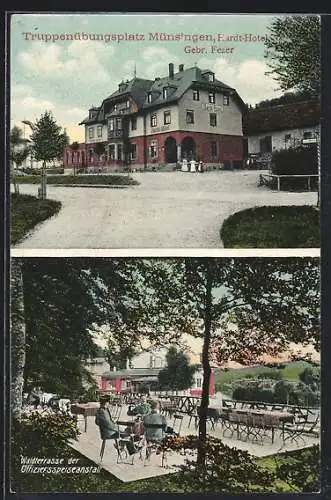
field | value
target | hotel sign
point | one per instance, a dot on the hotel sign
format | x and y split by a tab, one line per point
213	107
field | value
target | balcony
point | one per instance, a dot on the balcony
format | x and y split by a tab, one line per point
117	133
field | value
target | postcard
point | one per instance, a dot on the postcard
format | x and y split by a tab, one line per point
164	131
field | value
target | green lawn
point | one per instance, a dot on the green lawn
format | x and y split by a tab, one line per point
26	212
272	227
109	180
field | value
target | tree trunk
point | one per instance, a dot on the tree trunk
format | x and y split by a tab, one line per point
13	176
18	334
43	192
201	459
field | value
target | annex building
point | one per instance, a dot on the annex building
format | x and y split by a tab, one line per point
186	114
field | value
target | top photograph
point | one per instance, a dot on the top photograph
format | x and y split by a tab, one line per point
164	131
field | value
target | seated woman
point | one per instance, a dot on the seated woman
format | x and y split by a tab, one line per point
142	408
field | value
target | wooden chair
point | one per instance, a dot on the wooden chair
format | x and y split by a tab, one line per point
302	428
177	419
153	444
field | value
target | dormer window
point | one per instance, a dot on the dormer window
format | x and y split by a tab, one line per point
165	93
149	97
211	77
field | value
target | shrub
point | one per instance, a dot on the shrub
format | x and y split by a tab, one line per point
226	469
295	161
300	470
270	374
40	435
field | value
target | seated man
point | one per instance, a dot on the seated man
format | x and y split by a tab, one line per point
103	419
154	424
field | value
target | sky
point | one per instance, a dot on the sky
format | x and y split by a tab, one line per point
68	76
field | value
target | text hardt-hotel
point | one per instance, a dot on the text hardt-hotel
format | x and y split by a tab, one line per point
187	114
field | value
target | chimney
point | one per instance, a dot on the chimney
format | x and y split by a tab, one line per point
171	70
181	67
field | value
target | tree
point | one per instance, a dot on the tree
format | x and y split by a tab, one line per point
48	142
18	338
18	153
178	374
59	317
294	54
241	308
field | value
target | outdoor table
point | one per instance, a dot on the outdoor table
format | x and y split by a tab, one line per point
85	409
127	423
271	419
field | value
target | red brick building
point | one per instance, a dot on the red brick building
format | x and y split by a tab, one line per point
187	114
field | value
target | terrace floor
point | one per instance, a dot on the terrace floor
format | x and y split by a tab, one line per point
89	444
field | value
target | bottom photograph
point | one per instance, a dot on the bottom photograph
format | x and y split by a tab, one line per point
176	375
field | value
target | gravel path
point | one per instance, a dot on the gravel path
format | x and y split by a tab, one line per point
167	210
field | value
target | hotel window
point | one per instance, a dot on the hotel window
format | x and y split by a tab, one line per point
196	95
307	135
167	117
189	116
118	123
91	133
99	130
165	92
199	382
134	123
211	77
226	100
115	107
149	97
153	150
111	151
213	149
153	120
111	124
133	151
212	97
128	103
287	137
212	119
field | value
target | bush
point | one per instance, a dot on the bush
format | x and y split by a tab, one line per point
301	160
272	227
271	374
226	469
300	470
40	435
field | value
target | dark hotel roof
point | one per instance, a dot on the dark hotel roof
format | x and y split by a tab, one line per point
177	83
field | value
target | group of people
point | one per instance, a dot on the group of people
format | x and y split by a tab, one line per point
148	421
